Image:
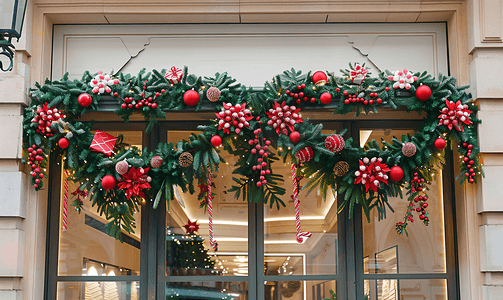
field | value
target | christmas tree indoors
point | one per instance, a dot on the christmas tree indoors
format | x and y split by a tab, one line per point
186	251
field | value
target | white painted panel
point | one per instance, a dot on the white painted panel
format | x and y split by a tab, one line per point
13	197
251	53
86	52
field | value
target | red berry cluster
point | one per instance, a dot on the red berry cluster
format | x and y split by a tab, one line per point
129	102
263	151
299	95
417	183
36	156
469	163
44	119
359	98
421	209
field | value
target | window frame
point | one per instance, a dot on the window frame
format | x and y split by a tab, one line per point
350	261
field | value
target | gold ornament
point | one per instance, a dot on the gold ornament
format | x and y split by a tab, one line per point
185	160
341	168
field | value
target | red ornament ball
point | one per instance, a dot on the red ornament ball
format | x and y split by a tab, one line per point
396	173
319	78
335	143
156	162
423	93
122	167
63	143
326	98
191	98
295	136
305	154
440	144
216	140
108	182
85	99
213	94
409	149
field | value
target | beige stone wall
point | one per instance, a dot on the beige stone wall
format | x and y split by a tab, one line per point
475	30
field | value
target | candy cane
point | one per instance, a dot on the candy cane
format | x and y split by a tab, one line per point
301	236
213	244
65	202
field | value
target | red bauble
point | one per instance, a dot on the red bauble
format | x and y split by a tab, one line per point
326	98
108	182
216	140
319	78
440	144
63	143
85	99
396	174
335	143
295	136
423	93
191	98
304	155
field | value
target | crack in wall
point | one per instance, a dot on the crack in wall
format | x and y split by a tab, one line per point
360	42
131	56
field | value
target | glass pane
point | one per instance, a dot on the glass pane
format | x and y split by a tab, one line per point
85	241
423	251
120	290
6	12
207	290
317	254
191	254
301	290
392	289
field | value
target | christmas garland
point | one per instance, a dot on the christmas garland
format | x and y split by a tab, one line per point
259	127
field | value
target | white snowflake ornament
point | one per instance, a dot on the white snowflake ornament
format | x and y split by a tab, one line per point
102	82
402	79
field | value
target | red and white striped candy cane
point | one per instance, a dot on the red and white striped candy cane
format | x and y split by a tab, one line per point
65	201
301	236
213	244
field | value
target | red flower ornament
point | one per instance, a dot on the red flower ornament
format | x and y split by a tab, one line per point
233	117
371	173
455	115
283	116
134	182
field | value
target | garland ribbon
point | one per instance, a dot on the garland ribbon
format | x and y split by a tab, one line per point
213	244
65	202
301	236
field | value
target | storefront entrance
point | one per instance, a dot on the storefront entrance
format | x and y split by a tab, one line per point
257	255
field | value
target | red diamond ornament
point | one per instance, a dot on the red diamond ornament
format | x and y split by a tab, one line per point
103	142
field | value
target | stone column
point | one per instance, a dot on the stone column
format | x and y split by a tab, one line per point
22	239
485	40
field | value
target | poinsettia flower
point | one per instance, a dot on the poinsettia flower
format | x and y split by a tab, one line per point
134	181
233	117
371	173
403	79
455	115
191	227
283	117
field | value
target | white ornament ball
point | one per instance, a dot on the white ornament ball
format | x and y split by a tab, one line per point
156	161
213	94
122	167
409	149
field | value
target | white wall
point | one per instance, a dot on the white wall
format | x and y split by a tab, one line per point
251	53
